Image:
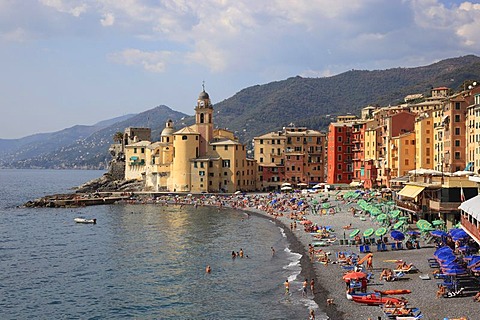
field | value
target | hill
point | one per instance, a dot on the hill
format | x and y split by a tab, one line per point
314	102
311	102
82	146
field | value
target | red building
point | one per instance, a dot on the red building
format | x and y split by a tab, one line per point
339	153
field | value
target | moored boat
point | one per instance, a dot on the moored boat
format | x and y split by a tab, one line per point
393	291
83	220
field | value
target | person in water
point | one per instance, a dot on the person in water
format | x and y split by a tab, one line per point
234	255
287	287
208	269
273	251
304	288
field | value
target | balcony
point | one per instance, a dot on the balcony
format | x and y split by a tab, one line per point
409	206
444	206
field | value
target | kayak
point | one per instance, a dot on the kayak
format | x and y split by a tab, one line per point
393	291
375	300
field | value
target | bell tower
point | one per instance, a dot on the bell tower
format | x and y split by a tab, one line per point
204	120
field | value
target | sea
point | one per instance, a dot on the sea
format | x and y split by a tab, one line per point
139	261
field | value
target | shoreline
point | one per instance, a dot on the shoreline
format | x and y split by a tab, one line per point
308	268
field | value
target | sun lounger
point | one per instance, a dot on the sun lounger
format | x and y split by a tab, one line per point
424	277
411	268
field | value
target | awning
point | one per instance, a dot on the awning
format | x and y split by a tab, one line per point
133	158
355	184
410	191
472	207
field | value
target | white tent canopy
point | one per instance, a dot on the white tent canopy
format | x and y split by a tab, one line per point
422	172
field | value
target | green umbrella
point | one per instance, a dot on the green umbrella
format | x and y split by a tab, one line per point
395	213
423	223
381	231
382	217
399	224
438	222
314	201
354	233
403	218
325	205
368	232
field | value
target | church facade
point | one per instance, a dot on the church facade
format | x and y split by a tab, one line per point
197	158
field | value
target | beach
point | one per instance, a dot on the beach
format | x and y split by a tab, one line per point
329	277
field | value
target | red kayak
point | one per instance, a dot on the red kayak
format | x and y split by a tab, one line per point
391	292
375	300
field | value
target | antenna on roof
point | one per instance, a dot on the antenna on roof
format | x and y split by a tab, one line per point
203	85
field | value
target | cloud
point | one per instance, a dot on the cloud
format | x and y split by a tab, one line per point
108	19
16	35
71	7
154	61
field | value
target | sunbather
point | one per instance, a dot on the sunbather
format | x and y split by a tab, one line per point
476	298
404	266
387	273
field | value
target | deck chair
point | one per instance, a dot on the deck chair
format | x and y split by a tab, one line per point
367	248
451	294
397	275
412	268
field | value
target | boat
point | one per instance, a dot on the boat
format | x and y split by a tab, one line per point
393	291
375	300
83	220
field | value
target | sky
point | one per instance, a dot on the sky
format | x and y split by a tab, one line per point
66	62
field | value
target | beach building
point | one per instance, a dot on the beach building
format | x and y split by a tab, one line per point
431	195
197	158
339	152
294	155
424	140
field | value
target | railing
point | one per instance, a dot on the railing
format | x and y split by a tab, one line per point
472	229
407	205
444	206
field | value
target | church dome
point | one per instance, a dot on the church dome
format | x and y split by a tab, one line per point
203	95
168	130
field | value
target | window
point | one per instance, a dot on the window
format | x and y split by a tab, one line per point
201	173
201	165
261	150
339	139
184	137
261	159
457	105
407	162
457	143
226	163
134	150
226	147
261	141
457	118
142	150
457	155
195	165
457	131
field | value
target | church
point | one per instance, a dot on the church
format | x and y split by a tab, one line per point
197	158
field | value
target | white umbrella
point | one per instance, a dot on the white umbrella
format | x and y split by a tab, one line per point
286	184
286	188
302	184
238	192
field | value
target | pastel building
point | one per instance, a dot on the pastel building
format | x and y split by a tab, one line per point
294	155
197	158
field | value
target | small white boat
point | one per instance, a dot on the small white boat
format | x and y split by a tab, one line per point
83	220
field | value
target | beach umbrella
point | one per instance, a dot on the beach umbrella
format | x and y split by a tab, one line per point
423	223
403	218
443	249
459	235
380	232
368	232
438	233
354	275
397	235
354	233
325	205
438	222
395	213
381	217
399	224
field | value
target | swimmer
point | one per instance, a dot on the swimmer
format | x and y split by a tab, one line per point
208	269
273	251
287	287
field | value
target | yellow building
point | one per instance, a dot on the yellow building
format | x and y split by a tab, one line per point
193	159
424	142
402	154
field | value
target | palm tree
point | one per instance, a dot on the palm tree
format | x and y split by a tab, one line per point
118	137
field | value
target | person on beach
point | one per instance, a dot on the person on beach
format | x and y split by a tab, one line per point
370	263
441	291
287	287
312	286
312	315
304	288
273	251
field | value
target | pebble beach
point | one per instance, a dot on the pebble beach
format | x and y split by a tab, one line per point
329	276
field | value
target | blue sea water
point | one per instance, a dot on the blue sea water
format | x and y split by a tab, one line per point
138	261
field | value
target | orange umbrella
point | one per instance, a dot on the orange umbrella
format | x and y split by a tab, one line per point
354	275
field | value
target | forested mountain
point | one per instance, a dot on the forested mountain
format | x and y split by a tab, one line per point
311	102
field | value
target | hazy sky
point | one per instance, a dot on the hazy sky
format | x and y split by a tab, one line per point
67	62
